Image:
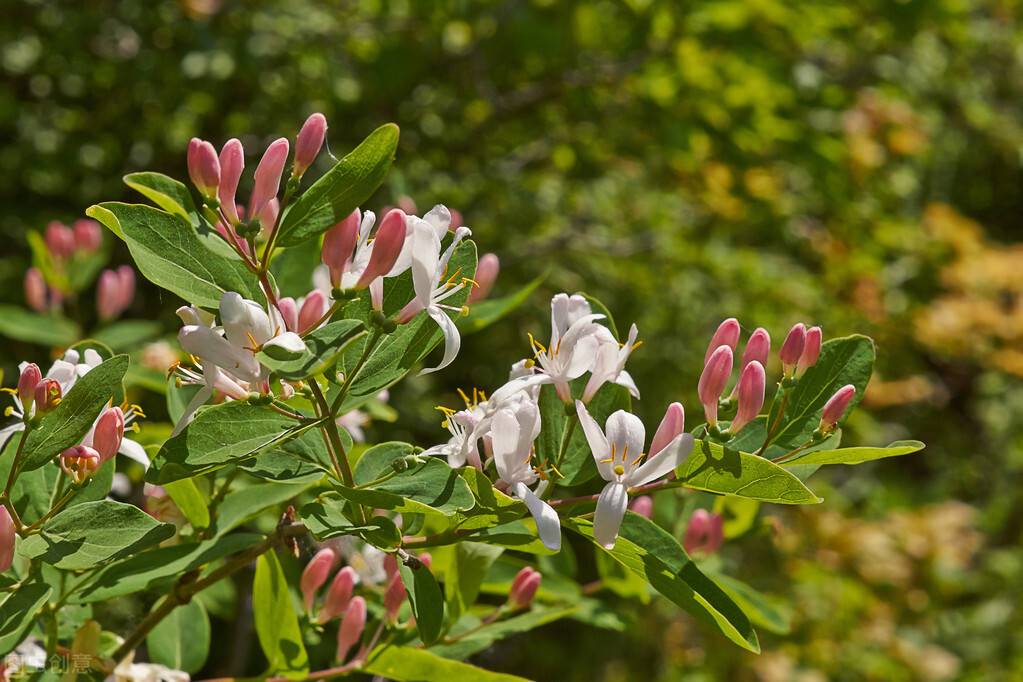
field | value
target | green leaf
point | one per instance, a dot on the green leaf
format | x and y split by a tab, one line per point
18	612
166	192
325	519
489	311
128	335
33	490
323	346
426	599
91	533
181	641
469	564
652	553
341	189
230	432
68	423
486	636
46	330
408	664
246	503
276	621
190	501
856	455
172	255
725	471
762	610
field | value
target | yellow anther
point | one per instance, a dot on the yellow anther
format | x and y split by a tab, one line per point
9	390
619	470
529	364
9	411
536	345
607	460
255	348
637	345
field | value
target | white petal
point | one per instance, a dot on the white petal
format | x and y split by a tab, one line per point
452	341
599	446
194	404
134	451
548	525
211	347
425	262
673	454
439	217
288	341
625	431
92	358
504	432
321	279
611	507
625	379
8	431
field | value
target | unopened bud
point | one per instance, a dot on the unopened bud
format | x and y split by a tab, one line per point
35	290
456	219
80	462
752	385
523	588
314	307
339	595
390	237
704	532
486	275
836	406
339	245
792	347
88	235
390	565
289	312
672	424
309	141
727	334
60	240
7	533
232	162
48	395
106	439
642	505
713	380
314	575
394	597
811	350
203	167
268	175
115	292
350	632
27	382
757	348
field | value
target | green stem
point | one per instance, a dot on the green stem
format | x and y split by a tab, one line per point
338	455
772	432
350	377
54	508
14	464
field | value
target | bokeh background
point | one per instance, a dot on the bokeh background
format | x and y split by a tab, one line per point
855	165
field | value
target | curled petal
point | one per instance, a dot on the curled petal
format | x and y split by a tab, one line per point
548	525
611	505
452	340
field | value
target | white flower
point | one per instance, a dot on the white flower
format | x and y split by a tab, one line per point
575	339
461	448
618	452
609	364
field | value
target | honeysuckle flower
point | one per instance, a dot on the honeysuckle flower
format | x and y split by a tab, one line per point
80	462
836	406
352	626
713	381
314	307
609	364
36	290
127	671
7	533
486	275
267	178
339	595
792	348
513	432
203	167
704	532
232	163
60	240
575	338
727	334
115	292
751	387
811	350
88	235
618	452
461	448
433	286
523	588
367	561
315	575
308	142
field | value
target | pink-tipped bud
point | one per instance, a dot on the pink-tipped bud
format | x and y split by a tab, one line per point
268	216
523	588
232	163
425	559
108	295
672	424
289	311
757	348
106	439
35	290
203	167
836	406
456	219
268	175
713	380
48	395
7	533
792	347
88	235
80	462
811	350
60	240
486	275
390	566
387	245
704	533
394	597
309	141
350	632
642	505
752	384
27	382
727	334
339	245
314	307
314	575
339	595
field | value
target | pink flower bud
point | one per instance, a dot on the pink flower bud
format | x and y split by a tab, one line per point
727	334
642	505
127	289
268	175
7	533
314	575
836	406
394	597
752	384
60	240
309	141
350	632
88	235
27	382
456	219
486	275
203	167
313	308
80	462
425	559
268	216
713	380
35	290
672	424
109	432
811	350
48	395
792	347
339	245
390	237
523	588
390	566
232	163
339	594
757	348
289	311
108	295
704	533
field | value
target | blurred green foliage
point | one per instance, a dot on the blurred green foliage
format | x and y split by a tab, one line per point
776	161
